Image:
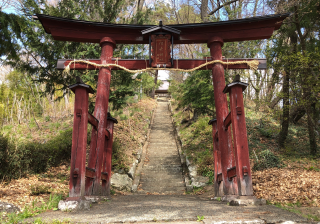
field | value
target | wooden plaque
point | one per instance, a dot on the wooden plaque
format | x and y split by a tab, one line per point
160	51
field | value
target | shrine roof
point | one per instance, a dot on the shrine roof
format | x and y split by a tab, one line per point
253	28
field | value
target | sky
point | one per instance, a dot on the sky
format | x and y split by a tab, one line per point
163	75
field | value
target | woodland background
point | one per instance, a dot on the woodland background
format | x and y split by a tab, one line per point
282	102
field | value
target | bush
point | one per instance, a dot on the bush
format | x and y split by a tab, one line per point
19	159
267	159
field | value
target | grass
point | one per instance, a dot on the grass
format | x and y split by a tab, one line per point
200	218
294	207
30	211
262	130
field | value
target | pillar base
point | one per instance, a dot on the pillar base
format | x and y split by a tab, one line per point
228	198
96	199
247	200
74	203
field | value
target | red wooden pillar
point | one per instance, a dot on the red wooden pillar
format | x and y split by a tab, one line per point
224	135
107	157
79	139
98	139
218	183
240	140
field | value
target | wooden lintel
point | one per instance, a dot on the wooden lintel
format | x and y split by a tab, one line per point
227	121
135	64
254	28
92	120
231	173
90	172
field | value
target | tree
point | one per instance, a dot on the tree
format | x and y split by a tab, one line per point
11	26
296	52
196	92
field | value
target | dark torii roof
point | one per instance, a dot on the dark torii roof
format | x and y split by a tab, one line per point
233	30
161	29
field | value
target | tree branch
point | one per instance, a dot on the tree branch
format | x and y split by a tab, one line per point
221	6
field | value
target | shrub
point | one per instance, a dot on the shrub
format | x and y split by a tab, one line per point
19	159
267	159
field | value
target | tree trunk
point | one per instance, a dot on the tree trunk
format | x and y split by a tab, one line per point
140	4
274	102
286	104
204	10
297	113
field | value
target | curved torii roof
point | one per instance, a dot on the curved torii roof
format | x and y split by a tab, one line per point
253	28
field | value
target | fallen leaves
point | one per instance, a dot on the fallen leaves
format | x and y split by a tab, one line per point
23	191
296	186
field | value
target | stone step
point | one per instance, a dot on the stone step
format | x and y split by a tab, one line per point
162	182
142	192
162	153
158	143
158	150
165	190
154	146
163	176
160	185
159	158
161	173
161	170
163	128
163	162
162	141
163	137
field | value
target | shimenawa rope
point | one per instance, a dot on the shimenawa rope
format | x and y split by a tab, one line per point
252	64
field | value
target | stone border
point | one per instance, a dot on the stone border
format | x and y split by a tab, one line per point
192	179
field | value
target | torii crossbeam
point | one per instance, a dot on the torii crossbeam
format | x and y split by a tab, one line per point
232	166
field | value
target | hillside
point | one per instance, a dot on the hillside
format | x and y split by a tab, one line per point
291	177
36	189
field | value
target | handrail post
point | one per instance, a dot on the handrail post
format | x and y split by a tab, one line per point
79	139
240	139
107	157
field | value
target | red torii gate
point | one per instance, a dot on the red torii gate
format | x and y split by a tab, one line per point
232	167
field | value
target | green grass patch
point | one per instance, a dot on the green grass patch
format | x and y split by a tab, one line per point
33	210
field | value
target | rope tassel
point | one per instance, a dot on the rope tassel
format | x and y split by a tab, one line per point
252	64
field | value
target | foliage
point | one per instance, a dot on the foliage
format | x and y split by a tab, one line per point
119	158
200	218
196	92
10	31
20	158
267	159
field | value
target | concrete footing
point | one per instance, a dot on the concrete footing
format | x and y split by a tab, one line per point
235	200
70	205
247	200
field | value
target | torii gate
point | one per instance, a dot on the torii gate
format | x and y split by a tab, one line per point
232	167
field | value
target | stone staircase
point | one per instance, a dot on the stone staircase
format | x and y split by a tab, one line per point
162	172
